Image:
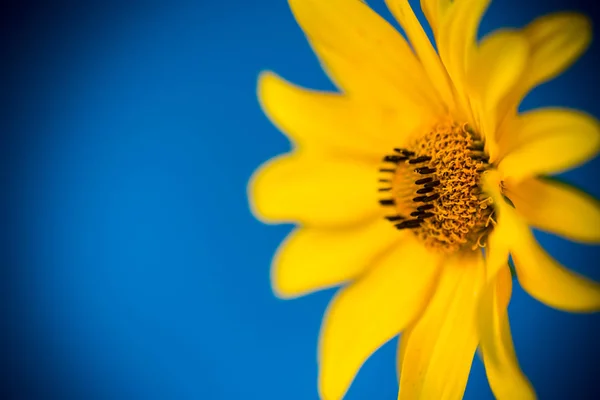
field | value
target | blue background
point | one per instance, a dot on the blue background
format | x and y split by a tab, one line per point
132	267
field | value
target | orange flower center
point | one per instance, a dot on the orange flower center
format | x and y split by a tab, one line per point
434	188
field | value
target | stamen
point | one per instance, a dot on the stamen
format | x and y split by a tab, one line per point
419	160
432	184
425	190
479	155
476	145
394	159
426	215
424	180
411	223
433	197
419	199
425	170
449	211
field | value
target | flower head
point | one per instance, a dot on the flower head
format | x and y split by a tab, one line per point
413	185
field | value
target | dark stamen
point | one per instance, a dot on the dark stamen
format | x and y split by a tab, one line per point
416	213
394	218
387	202
394	159
387	170
477	145
425	207
432	184
420	198
424	170
419	160
433	197
411	223
425	190
384	181
385	189
480	157
426	215
422	181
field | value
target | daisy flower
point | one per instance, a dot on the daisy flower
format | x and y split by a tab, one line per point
413	185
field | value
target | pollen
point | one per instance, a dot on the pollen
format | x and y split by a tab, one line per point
432	188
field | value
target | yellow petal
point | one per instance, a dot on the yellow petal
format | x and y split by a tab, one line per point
363	53
547	141
371	311
557	207
540	275
314	191
556	40
311	259
496	251
496	66
501	365
437	351
432	64
458	37
332	122
435	11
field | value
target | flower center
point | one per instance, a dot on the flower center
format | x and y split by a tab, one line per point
433	188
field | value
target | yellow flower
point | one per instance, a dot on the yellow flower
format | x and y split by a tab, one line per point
413	185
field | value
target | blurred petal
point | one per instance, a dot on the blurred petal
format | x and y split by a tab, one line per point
557	207
457	39
331	121
312	259
556	41
437	351
314	191
364	54
432	64
434	11
371	311
495	67
540	275
496	251
547	141
501	365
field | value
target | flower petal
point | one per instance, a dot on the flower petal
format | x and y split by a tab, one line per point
495	67
540	275
331	121
312	259
435	11
437	351
364	54
501	365
496	251
315	191
371	311
547	141
557	207
556	40
458	37
432	64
